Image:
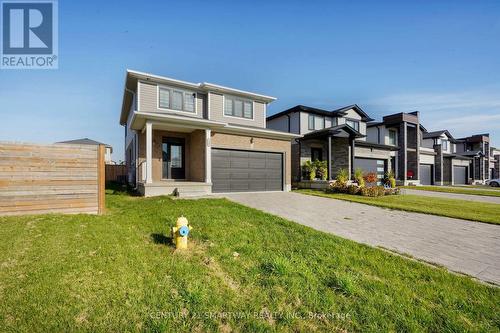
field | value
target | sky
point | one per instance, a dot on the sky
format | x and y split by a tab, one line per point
441	58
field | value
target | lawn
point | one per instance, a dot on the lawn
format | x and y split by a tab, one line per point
246	271
462	209
457	190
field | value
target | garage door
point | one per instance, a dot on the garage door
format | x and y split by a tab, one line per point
460	175
371	165
246	171
426	174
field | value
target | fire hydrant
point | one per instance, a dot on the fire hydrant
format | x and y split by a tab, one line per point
180	233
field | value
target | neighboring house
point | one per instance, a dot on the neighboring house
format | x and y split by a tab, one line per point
494	163
199	138
87	141
403	132
337	136
448	167
476	147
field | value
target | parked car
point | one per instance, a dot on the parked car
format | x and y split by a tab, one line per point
494	182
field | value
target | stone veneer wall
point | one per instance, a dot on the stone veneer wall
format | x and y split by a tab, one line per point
340	153
402	152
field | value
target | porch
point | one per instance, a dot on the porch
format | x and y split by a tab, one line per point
335	145
174	160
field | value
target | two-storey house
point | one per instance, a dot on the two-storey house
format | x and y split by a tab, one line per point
197	138
336	136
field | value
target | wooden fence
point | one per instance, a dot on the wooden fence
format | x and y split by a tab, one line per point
58	178
116	173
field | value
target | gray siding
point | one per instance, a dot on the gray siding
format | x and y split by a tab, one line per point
278	124
216	112
148	101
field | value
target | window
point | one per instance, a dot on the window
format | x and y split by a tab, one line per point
237	107
392	137
315	122
444	144
353	123
176	99
310	122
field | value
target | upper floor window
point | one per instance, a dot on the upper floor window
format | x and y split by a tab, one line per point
169	98
353	123
444	144
237	107
392	137
315	122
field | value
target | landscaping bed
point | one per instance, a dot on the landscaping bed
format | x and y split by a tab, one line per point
245	271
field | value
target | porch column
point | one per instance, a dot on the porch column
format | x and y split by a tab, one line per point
353	148
149	152
329	158
208	156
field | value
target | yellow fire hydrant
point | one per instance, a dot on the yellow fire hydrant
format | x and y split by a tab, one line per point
180	233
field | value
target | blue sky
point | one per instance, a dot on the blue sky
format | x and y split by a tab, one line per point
439	57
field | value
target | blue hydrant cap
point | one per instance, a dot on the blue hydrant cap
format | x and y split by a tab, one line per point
184	231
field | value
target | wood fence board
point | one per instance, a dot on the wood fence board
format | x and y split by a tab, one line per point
59	178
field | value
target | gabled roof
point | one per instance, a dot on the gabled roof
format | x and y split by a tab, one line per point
334	130
85	141
321	112
355	107
436	134
132	77
299	108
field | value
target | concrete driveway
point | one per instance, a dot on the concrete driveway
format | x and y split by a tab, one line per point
459	196
462	246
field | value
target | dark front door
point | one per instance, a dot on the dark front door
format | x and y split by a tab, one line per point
316	154
173	158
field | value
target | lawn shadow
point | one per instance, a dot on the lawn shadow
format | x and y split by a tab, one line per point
161	239
120	189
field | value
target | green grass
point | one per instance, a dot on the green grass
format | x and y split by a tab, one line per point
457	190
462	209
484	187
118	272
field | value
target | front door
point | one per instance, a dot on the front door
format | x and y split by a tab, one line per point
173	158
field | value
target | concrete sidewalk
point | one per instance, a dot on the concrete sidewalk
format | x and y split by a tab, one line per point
467	247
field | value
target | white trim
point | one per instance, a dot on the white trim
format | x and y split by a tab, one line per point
172	89
149	152
138	96
243	110
209	106
205	85
208	156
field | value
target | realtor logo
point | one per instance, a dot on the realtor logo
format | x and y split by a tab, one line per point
29	35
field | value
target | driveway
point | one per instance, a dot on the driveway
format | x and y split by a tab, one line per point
468	197
462	246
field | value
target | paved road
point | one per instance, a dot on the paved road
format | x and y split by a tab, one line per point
468	197
462	246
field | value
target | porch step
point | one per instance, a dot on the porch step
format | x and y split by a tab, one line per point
181	189
191	192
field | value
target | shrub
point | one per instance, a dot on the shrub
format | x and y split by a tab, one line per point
310	169
358	176
342	176
322	169
337	188
374	191
370	177
353	189
390	179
